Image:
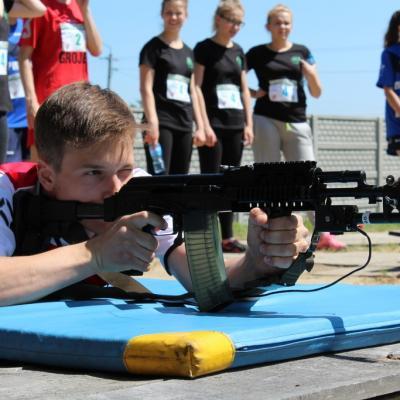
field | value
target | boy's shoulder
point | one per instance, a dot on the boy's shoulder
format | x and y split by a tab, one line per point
21	174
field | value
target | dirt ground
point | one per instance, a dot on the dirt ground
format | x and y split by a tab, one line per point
384	267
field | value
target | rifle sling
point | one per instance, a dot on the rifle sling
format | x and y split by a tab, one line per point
124	282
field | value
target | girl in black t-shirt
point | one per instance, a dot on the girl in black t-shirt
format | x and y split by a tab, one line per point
166	85
280	122
224	99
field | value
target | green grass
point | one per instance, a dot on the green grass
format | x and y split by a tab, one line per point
240	230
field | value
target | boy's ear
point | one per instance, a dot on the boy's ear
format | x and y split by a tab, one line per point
46	176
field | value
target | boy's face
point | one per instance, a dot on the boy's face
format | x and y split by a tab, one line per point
90	174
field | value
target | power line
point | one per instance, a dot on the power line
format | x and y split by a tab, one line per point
110	69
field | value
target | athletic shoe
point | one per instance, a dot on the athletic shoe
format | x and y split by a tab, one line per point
330	242
233	246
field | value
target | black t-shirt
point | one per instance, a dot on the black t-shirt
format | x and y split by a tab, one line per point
173	69
5	101
222	86
280	75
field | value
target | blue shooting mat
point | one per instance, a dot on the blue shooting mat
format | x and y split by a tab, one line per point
170	340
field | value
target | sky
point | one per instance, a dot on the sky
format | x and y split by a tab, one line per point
345	37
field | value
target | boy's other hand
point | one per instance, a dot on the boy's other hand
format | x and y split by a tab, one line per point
273	243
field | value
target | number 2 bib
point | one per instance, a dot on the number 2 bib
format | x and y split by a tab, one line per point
283	90
178	88
229	97
73	37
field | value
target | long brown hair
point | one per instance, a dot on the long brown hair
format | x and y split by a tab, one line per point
392	33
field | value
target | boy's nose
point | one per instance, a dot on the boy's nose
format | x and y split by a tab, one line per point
113	186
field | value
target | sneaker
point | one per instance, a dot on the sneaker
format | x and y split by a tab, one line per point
330	242
233	246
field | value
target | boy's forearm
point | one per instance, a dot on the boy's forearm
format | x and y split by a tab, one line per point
29	278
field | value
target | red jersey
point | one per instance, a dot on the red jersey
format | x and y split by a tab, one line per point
58	40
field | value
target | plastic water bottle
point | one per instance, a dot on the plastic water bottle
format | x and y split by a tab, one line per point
157	159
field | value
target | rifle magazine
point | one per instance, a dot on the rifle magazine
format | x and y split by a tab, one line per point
206	264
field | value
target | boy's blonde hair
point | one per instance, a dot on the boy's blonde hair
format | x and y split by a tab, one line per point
80	115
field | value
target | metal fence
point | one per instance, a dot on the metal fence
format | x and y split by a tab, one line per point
340	143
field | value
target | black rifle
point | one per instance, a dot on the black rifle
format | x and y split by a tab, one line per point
278	188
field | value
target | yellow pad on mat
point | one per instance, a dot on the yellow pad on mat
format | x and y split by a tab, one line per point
186	354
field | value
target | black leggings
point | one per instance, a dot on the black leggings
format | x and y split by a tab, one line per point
227	151
3	136
177	150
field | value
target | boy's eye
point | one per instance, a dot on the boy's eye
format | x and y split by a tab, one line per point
93	172
125	173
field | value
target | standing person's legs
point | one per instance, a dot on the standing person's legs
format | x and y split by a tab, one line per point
14	147
30	143
166	141
181	153
25	153
267	141
232	149
3	137
227	151
210	158
297	144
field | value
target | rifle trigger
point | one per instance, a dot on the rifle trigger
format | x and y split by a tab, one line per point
148	229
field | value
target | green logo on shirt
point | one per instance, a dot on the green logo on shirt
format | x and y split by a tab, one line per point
189	62
295	60
239	62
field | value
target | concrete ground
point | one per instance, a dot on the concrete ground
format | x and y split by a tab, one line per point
358	374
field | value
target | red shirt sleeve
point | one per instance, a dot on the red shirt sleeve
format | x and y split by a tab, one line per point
30	32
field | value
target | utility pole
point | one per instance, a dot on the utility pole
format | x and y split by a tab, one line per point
110	69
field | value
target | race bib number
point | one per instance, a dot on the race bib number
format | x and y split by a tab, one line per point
3	57
73	37
178	88
229	97
283	90
15	86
